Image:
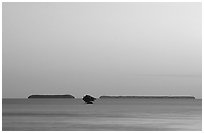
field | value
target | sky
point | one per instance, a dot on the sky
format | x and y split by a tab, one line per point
101	49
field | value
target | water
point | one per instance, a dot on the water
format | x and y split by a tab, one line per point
104	114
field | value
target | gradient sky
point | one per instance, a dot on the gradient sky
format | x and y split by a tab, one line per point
102	49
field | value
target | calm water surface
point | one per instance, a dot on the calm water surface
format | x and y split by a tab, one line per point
104	114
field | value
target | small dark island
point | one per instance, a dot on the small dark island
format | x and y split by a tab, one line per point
51	96
88	99
150	97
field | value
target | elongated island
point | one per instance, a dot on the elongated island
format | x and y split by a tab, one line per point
51	96
150	97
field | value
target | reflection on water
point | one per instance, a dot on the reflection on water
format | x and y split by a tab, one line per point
104	114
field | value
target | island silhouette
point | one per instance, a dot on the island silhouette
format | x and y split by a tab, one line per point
51	96
89	99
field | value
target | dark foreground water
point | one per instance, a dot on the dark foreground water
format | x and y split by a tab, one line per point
104	114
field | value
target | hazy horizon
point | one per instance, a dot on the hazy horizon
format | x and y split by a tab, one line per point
101	49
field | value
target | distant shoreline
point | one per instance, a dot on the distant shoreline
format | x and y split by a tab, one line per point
9	98
150	97
116	97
